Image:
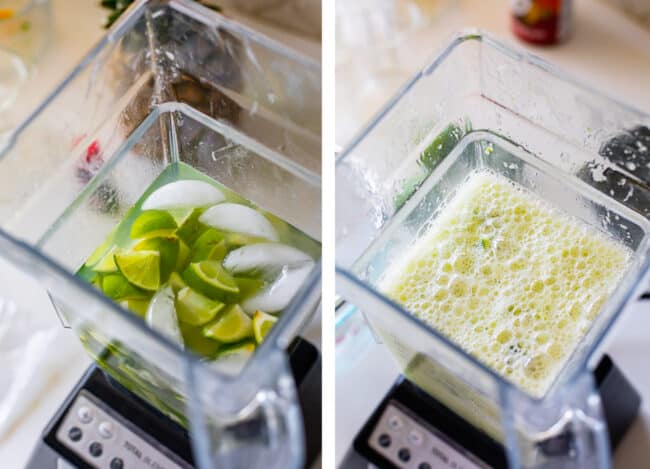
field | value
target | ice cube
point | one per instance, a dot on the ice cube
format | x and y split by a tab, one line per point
264	258
179	194
161	315
277	296
239	219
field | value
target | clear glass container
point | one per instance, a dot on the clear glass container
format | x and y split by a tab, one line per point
481	104
172	81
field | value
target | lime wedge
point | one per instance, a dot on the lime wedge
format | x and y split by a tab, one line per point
161	315
218	252
168	249
96	282
117	287
205	243
136	305
184	253
189	227
211	279
181	214
197	342
248	286
194	308
107	263
232	358
153	223
176	282
232	325
262	324
246	347
237	240
141	268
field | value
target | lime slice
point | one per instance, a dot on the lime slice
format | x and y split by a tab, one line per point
262	324
248	286
187	193
136	305
237	240
194	308
218	252
211	279
176	282
117	287
181	214
168	249
205	243
189	227
141	268
232	325
161	315
96	282
197	342
107	263
153	223
245	347
184	253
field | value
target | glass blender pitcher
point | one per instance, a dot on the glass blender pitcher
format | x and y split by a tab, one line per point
171	82
482	105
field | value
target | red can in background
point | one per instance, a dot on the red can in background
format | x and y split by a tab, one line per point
541	22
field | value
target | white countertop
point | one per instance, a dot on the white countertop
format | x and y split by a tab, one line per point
608	51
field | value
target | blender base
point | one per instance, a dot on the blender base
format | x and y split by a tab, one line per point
409	428
102	424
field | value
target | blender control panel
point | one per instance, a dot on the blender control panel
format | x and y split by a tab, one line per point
105	440
407	442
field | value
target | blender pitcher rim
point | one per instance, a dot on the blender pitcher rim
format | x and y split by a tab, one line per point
512	50
192	8
122	25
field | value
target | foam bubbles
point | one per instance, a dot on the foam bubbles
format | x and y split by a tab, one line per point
509	278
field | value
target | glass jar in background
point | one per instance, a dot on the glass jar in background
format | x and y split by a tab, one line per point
371	63
24	33
541	22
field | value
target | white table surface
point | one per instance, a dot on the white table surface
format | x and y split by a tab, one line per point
608	51
77	27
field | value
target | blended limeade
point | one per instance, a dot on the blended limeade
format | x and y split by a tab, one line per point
510	279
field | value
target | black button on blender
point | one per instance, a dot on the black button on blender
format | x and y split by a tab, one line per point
95	449
75	433
404	455
384	440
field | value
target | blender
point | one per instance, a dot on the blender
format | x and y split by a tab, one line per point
171	82
481	105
